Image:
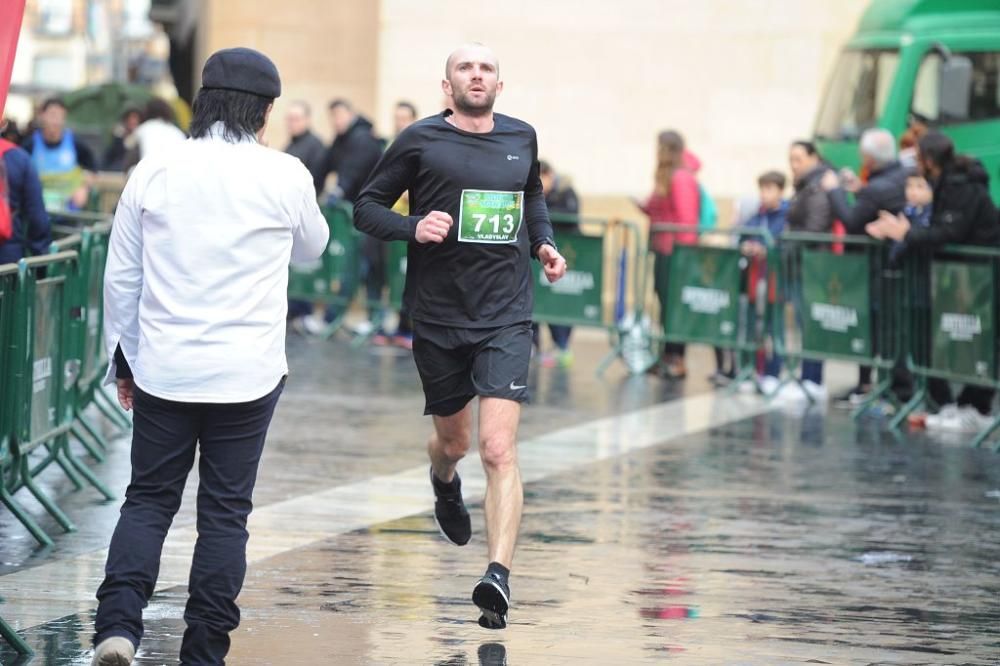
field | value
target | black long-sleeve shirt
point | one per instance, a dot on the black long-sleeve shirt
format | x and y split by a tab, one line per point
482	279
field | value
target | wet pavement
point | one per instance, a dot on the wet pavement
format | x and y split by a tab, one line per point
662	525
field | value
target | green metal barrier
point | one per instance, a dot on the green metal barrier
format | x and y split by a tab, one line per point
50	321
91	242
578	298
93	257
333	279
703	290
10	460
597	280
81	327
76	220
849	301
952	323
8	634
705	299
38	350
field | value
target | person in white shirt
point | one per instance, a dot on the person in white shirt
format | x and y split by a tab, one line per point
195	298
157	132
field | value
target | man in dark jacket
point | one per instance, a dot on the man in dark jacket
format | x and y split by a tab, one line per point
304	144
32	234
963	214
355	150
352	156
564	207
885	190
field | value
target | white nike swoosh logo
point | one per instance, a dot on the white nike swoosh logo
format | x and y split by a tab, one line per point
514	387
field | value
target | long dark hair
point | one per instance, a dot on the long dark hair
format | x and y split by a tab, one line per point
669	158
242	114
939	149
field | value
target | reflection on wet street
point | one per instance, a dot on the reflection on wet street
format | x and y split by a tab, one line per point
660	527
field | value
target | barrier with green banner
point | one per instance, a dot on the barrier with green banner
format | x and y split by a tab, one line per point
85	361
333	279
52	360
703	288
10	466
849	306
576	299
836	305
45	354
952	321
582	296
963	318
37	371
93	257
85	343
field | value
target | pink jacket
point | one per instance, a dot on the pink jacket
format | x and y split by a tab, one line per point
682	206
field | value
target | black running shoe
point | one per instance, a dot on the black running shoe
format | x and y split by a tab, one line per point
492	595
492	654
450	513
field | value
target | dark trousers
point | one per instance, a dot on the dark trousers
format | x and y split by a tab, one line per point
661	271
560	335
297	308
812	370
164	439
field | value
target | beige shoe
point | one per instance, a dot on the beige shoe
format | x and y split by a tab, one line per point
114	651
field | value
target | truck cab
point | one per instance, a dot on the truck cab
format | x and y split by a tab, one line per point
935	60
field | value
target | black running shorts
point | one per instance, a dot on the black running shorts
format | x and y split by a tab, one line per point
458	364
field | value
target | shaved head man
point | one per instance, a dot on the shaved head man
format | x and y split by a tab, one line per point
477	219
472	80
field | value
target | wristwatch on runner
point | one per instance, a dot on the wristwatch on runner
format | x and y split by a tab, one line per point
545	241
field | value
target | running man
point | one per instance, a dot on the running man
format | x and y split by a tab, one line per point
477	217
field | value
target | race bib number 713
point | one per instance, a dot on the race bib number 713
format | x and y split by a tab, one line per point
487	216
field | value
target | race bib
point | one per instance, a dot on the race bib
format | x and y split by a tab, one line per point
487	216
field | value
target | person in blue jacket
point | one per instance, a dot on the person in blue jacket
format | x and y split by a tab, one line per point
772	216
32	234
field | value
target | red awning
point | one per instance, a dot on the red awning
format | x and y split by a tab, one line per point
11	13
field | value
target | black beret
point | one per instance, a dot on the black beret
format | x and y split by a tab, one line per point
241	69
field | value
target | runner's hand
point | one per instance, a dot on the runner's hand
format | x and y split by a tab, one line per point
126	391
434	227
552	262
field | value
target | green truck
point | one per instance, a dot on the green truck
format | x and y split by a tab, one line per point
937	60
